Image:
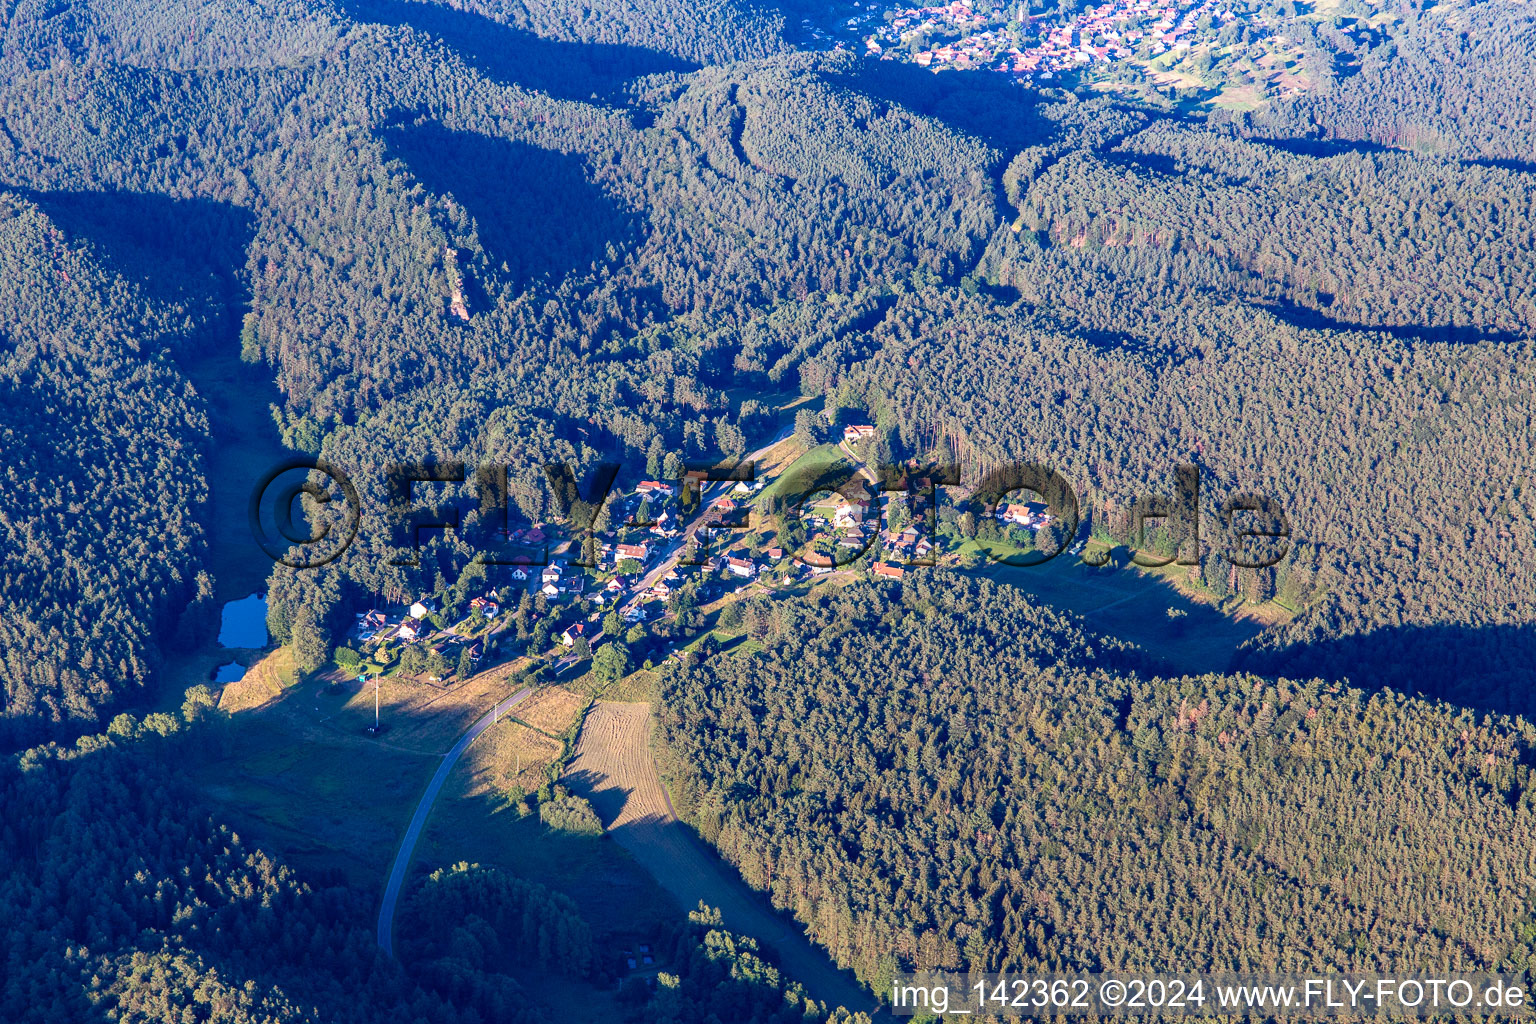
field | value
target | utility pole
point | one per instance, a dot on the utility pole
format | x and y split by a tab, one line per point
364	680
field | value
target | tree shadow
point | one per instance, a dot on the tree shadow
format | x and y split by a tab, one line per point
1502	163
535	209
574	71
1483	668
189	252
1308	318
1172	634
983	105
606	798
1321	148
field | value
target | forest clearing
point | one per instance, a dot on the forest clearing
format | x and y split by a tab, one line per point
615	770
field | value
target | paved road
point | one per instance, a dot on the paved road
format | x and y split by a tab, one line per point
670	558
859	465
419	819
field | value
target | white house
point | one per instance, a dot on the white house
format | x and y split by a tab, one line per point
421	609
639	552
740	567
850	514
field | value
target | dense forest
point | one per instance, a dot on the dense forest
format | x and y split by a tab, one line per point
526	232
141	906
102	439
1454	84
940	774
444	239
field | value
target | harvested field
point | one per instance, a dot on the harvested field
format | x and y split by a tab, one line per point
423	717
262	682
508	748
613	768
551	709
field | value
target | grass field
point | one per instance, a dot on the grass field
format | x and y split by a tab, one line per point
509	754
264	681
247	444
301	776
614	769
475	821
1133	605
822	462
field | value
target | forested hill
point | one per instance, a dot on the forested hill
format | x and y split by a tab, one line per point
102	442
1457	84
525	231
660	220
938	774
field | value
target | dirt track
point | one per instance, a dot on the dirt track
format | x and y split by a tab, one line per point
614	770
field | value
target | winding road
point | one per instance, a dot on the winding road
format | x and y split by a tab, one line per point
407	849
423	810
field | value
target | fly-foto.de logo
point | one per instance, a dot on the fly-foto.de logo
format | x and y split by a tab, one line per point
707	503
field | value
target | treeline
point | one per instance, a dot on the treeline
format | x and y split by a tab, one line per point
941	774
139	906
1454	82
717	975
99	520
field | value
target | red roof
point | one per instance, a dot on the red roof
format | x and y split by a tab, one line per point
894	572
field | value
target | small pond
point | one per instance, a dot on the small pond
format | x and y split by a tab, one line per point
244	623
231	673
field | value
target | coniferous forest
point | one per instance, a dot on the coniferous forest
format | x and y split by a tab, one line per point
530	232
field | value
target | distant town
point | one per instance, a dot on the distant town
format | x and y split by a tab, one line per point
1217	46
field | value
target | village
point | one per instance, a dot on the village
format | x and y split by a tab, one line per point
1107	33
1040	48
643	585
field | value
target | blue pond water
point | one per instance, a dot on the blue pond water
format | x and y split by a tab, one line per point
244	623
233	672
